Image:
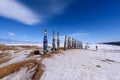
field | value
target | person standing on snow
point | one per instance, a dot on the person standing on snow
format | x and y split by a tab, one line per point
96	47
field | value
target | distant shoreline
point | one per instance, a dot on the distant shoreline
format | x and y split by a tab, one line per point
113	43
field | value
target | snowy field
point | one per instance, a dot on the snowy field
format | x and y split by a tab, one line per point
84	64
74	64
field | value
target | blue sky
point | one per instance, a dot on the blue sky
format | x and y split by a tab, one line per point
85	20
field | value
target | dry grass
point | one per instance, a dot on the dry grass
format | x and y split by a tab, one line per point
32	53
4	48
2	55
15	67
57	52
16	51
3	58
48	55
39	72
35	52
45	55
30	47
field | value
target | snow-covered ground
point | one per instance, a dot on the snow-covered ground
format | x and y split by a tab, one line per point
23	74
20	56
74	64
102	47
84	64
17	57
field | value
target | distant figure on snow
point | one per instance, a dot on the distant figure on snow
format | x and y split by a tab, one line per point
96	47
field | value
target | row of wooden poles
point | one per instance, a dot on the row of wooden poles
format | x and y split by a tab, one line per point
69	42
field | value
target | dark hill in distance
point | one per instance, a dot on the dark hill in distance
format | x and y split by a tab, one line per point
113	43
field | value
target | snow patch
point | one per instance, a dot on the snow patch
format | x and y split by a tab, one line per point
82	65
17	57
23	74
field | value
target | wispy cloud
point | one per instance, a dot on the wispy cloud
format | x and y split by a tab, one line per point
57	6
14	10
78	35
49	8
11	34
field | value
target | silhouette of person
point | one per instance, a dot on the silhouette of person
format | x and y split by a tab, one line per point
96	47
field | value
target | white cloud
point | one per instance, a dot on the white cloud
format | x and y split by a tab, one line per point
14	10
49	8
11	34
